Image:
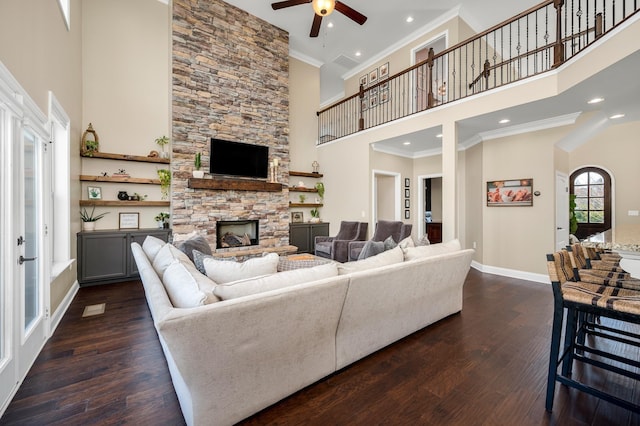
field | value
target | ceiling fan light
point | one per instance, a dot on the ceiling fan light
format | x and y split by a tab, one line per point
323	7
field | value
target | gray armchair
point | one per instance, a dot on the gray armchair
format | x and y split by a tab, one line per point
384	228
336	248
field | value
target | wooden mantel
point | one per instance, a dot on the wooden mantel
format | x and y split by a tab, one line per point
234	184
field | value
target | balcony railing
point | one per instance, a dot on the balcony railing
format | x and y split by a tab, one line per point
533	42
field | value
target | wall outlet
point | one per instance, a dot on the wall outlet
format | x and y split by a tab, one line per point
362	213
634	213
474	244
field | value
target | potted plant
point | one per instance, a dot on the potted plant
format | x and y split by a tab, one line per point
320	188
315	215
162	141
89	220
162	220
165	182
197	163
302	198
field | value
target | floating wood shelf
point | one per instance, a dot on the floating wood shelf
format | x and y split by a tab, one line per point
88	178
114	203
234	184
303	205
305	174
301	189
123	157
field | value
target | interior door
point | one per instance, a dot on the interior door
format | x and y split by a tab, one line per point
562	210
29	292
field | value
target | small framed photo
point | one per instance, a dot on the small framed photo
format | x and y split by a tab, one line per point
373	91
373	76
373	101
384	86
407	203
129	220
297	217
384	96
364	80
407	193
384	71
407	214
94	192
407	182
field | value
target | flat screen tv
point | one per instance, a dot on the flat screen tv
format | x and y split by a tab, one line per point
238	159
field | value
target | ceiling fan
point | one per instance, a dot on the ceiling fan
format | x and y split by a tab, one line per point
323	8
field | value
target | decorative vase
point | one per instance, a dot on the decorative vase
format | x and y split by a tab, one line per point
198	174
164	154
123	196
160	224
88	226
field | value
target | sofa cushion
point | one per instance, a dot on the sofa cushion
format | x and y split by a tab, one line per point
388	257
371	248
151	246
186	287
194	243
275	281
411	253
223	272
166	255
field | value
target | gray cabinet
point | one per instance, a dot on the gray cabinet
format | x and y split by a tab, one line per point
105	256
303	235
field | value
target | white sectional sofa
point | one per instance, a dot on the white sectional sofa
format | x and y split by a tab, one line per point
229	359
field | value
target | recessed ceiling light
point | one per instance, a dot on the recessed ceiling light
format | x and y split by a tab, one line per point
330	25
595	100
613	117
358	53
504	121
409	19
439	135
406	143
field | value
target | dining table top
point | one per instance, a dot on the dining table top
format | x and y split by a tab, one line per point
620	238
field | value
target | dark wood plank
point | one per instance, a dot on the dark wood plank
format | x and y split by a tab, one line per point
234	184
486	365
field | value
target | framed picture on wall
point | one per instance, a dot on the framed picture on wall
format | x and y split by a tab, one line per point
407	203
384	71
407	193
373	76
363	80
94	192
407	182
407	214
510	193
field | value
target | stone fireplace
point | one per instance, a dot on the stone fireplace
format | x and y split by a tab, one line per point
237	233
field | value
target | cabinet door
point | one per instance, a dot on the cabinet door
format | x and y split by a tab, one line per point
317	230
299	237
138	237
102	256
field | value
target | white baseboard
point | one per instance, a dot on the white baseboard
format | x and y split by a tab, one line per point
62	308
511	273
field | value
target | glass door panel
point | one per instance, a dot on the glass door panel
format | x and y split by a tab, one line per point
31	235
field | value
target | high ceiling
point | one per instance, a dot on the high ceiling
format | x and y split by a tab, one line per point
387	28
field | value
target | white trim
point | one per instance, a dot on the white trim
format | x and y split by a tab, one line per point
511	273
62	308
305	58
420	32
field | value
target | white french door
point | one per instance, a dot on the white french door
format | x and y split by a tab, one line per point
562	210
23	298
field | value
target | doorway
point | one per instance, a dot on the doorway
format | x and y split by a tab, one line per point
386	196
592	188
430	202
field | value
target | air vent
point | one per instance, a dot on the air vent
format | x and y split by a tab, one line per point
345	61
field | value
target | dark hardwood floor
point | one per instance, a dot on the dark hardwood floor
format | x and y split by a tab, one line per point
484	366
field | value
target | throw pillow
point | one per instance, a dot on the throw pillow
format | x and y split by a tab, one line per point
407	242
389	243
151	246
389	257
183	237
198	260
431	250
181	286
195	243
424	241
223	272
371	248
167	254
275	281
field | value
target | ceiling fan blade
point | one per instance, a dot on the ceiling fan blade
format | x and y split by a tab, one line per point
288	3
350	13
315	27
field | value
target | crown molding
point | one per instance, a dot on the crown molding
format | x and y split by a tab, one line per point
305	58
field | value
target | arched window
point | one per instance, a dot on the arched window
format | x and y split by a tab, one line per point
592	188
